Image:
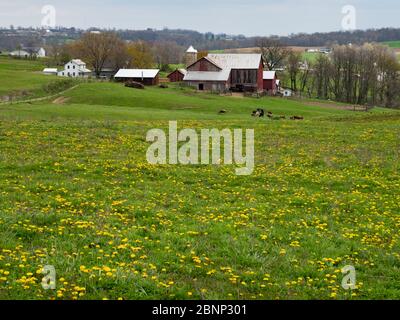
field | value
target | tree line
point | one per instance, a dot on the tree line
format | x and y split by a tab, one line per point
108	50
367	74
9	39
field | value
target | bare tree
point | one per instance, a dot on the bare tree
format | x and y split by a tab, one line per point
273	52
305	77
59	54
166	53
293	66
97	48
363	75
388	70
119	57
323	74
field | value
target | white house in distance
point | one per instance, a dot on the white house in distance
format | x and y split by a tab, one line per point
76	68
27	52
19	53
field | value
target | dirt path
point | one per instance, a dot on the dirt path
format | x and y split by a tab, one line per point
61	100
42	98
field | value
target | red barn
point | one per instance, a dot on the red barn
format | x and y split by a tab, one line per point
224	72
270	81
177	75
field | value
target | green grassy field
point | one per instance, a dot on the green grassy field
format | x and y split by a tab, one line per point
76	192
311	56
393	44
23	78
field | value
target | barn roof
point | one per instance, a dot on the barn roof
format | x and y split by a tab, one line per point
78	62
269	75
207	75
236	60
181	71
226	62
137	73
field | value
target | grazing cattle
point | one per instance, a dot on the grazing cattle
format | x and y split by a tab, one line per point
223	111
296	118
259	113
271	116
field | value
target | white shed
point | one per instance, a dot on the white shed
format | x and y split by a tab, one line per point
287	92
50	71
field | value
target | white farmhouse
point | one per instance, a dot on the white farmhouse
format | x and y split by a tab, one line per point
76	68
38	52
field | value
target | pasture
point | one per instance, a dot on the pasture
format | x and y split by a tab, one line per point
76	192
393	44
23	78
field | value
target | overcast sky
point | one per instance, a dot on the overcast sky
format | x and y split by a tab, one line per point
248	17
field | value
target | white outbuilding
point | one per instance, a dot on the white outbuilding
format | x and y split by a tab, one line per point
20	54
50	71
287	93
28	52
148	77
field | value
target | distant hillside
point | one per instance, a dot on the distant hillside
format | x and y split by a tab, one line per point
11	38
341	37
393	44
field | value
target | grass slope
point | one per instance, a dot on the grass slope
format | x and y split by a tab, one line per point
77	192
23	77
190	102
115	102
